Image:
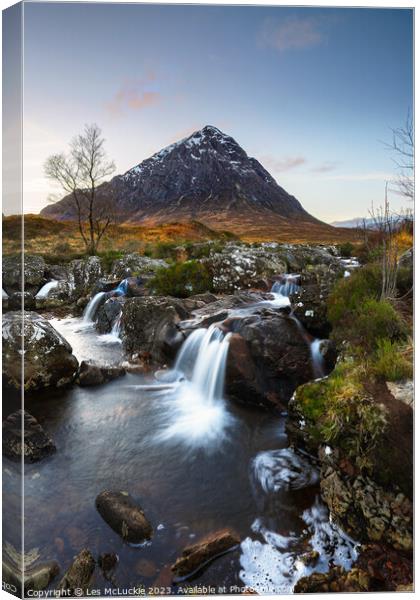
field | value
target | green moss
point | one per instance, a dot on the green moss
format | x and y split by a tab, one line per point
108	257
182	280
377	320
390	362
337	411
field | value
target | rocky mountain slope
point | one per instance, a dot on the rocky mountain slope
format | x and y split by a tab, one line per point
206	177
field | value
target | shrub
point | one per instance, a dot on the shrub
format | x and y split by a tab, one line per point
346	250
182	280
404	280
108	257
377	320
350	292
164	250
391	361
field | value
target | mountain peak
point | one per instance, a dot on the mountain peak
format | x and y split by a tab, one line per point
205	176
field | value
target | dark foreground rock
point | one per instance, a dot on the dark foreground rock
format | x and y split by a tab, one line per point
77	578
150	324
48	359
196	556
335	580
93	373
34	446
124	516
40	576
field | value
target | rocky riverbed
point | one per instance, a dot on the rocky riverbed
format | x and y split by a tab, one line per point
159	444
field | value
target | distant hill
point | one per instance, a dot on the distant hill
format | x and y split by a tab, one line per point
206	177
369	222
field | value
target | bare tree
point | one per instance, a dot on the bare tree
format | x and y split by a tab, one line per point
79	173
403	149
386	223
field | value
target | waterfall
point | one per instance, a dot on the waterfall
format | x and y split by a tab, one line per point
288	286
199	415
318	365
92	307
4	295
116	328
122	288
44	291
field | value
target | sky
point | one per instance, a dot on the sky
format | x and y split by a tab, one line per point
312	93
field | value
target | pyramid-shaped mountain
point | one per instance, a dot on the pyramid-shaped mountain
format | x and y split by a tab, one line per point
206	177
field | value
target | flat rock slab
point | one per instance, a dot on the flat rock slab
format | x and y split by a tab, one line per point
196	556
124	516
35	444
93	373
78	575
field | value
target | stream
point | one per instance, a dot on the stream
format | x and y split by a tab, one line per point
195	462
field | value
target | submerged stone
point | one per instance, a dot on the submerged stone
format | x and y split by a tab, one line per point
124	516
196	556
34	444
78	576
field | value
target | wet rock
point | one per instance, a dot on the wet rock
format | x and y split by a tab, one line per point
196	556
48	359
150	324
108	562
390	570
78	577
107	314
124	516
309	559
34	273
135	264
36	444
39	577
93	373
402	391
335	580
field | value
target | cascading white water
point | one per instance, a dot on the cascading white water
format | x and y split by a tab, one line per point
287	286
92	307
200	416
114	336
45	290
318	365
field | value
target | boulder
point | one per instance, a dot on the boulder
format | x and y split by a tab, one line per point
124	516
77	578
196	556
34	273
34	446
364	509
150	324
268	358
48	359
56	296
19	300
93	373
240	267
403	391
135	264
84	274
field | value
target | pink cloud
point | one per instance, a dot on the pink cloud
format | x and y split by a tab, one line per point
292	33
283	164
134	95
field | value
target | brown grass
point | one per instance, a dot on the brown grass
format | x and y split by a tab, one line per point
47	236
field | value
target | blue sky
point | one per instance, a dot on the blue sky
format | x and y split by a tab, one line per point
312	93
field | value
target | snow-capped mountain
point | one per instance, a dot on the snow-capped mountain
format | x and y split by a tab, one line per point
206	177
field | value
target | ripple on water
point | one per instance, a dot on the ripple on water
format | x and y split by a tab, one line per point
283	469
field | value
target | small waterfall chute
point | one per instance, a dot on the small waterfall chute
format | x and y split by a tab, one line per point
318	364
92	307
198	416
45	290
